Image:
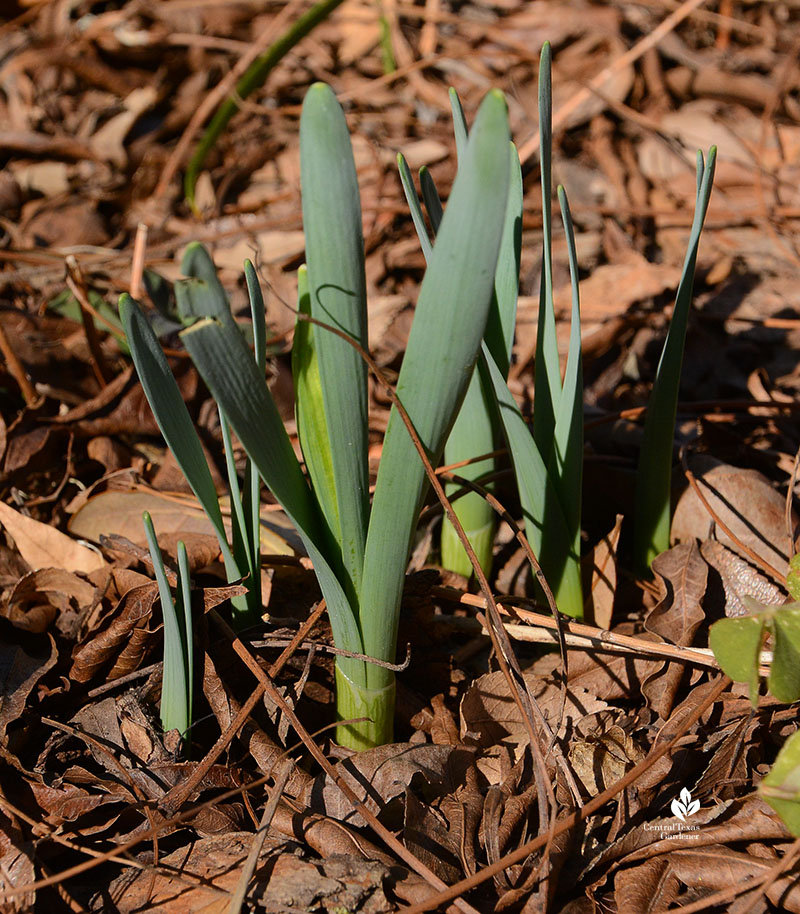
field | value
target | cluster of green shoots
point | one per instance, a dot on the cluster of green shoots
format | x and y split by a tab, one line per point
452	388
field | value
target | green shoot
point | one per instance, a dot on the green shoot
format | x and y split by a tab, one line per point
360	555
548	466
653	481
178	675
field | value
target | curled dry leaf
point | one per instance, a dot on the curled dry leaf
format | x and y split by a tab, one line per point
676	618
46	596
604	754
20	670
599	602
123	643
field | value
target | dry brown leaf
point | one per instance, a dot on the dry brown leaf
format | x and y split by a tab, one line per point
379	775
16	867
20	671
676	618
489	714
40	597
109	141
434	839
599	602
123	642
202	876
737	579
120	512
42	546
744	500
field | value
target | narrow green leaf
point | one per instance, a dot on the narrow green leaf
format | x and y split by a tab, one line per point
652	511
474	431
448	326
546	528
547	370
252	481
337	290
460	128
258	313
430	197
472	434
174	693
253	78
566	461
211	299
187	627
312	420
246	607
173	418
793	577
503	314
412	198
159	292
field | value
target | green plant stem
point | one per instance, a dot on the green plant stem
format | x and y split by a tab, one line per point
253	79
354	701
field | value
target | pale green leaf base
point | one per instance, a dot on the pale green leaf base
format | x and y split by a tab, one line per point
353	701
454	556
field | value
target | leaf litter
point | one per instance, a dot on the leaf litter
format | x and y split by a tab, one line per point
101	806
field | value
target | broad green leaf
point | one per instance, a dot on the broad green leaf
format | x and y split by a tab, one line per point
252	481
784	677
736	644
547	370
173	418
474	431
503	314
337	296
312	421
228	369
781	787
443	344
472	434
653	482
546	528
